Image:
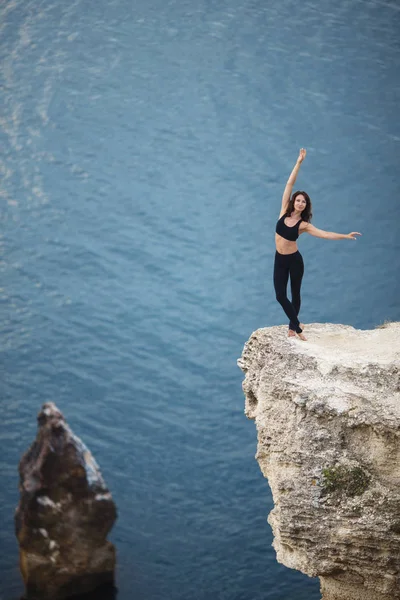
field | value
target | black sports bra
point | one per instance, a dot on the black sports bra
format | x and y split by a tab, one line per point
288	233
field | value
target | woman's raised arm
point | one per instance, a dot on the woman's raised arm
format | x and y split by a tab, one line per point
291	181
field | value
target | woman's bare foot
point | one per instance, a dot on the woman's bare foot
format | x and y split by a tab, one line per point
302	336
292	333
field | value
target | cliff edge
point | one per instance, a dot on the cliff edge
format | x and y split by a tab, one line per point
327	413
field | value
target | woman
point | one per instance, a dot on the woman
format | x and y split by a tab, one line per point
295	219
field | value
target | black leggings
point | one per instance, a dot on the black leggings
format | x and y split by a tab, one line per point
285	265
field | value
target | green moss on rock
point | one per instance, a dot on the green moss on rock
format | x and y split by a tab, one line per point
348	481
395	527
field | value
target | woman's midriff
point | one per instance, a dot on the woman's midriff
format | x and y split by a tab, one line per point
284	246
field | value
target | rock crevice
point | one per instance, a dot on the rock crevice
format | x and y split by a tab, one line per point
327	413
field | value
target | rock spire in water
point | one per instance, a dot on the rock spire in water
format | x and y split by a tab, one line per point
327	413
64	514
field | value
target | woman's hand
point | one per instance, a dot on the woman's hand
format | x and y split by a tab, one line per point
302	155
352	235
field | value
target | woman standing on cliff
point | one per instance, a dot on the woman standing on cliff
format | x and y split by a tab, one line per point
295	219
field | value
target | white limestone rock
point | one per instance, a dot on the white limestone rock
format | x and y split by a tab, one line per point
327	413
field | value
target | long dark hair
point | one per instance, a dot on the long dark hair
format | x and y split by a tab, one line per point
306	215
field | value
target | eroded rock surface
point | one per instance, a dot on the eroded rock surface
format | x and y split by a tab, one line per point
327	413
64	514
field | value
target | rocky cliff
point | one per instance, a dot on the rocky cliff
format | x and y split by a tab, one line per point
64	514
327	413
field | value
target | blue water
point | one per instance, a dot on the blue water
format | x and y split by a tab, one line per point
145	147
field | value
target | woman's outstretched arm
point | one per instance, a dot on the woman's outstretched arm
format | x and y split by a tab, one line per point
291	181
329	235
